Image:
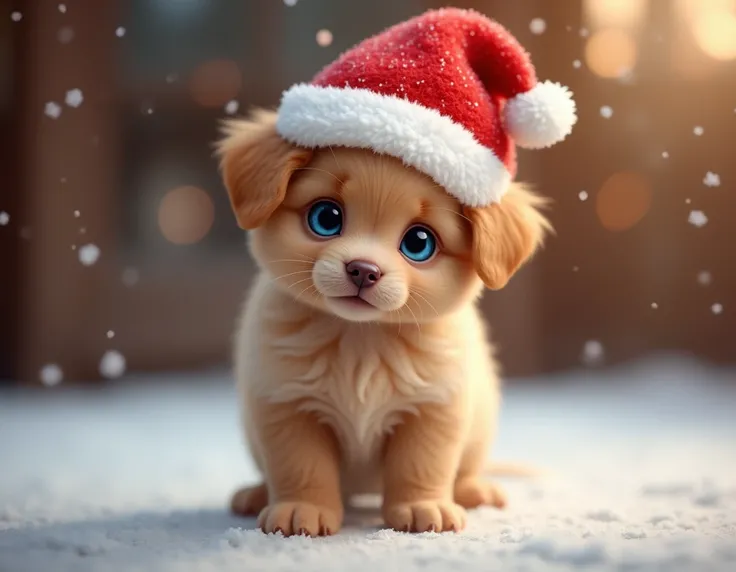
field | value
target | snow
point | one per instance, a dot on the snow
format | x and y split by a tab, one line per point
89	254
110	334
119	31
74	98
231	107
712	180
4	218
16	16
593	352
576	64
584	32
697	218
290	2
112	364
52	109
583	195
51	375
324	38
136	476
717	308
654	305
698	130
704	278
537	26
62	8
65	34
77	214
606	112
131	276
665	155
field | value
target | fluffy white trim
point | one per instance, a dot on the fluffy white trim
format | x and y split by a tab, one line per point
540	117
312	116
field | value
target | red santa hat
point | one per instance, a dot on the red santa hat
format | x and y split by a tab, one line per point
449	92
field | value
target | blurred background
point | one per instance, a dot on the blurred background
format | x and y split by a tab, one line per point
119	253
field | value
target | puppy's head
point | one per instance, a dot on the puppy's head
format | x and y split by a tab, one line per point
364	237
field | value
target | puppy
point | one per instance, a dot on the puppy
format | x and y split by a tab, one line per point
362	362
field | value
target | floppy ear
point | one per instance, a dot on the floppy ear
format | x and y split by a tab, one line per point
256	165
506	234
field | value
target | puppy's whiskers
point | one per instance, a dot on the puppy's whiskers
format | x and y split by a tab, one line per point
413	315
416	291
277	278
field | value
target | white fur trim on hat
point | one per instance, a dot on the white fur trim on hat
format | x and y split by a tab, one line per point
313	116
540	117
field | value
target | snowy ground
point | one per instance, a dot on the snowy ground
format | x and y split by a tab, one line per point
136	477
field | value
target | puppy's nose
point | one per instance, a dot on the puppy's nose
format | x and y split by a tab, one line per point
363	274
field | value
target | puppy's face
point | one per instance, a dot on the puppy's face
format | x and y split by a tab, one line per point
362	236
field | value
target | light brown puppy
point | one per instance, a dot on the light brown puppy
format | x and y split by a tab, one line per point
361	366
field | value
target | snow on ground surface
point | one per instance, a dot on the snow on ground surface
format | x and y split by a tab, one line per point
136	476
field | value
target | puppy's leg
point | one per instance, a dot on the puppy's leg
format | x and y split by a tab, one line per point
250	501
301	464
471	490
421	461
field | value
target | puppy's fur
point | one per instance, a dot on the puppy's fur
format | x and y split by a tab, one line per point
399	398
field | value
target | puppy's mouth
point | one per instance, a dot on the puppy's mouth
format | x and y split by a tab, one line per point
355	301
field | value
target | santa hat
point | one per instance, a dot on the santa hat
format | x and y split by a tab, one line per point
449	92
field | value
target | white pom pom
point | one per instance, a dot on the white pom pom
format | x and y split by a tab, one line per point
540	117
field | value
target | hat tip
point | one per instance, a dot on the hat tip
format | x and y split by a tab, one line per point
540	117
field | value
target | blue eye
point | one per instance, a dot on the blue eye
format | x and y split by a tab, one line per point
325	219
418	244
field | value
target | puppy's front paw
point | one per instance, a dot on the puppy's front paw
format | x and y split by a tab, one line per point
473	492
425	516
299	518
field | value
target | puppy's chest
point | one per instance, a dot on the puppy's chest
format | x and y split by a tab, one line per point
361	381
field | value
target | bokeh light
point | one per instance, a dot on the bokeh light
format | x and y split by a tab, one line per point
713	25
215	82
611	53
626	14
186	215
623	200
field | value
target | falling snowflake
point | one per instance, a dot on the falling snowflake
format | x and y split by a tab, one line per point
716	308
110	334
51	375
687	201
88	254
583	195
655	305
698	130
77	214
131	276
697	218
16	16
584	32
593	352
704	278
231	107
290	3
65	34
74	98
112	364
575	268
606	112
119	31
537	26
712	180
324	38
62	8
4	218
665	155
52	109
576	64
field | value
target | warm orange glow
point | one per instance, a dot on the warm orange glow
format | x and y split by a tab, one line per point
623	200
713	25
185	215
626	14
214	83
611	53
